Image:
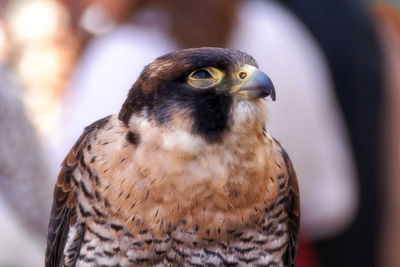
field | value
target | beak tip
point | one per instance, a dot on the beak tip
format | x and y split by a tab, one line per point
273	95
270	88
265	85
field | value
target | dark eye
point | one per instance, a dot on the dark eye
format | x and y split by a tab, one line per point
201	74
204	78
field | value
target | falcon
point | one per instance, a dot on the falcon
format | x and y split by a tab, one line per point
185	175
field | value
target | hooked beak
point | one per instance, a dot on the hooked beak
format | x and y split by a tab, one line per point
257	85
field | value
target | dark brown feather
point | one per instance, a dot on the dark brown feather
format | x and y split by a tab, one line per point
63	214
293	210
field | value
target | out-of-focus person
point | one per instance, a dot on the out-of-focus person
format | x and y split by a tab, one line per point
24	181
24	177
43	51
346	34
387	20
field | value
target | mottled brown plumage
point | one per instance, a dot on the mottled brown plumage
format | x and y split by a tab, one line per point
185	175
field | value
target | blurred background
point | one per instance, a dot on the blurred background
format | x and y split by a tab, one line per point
335	65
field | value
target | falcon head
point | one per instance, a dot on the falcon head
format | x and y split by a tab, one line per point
206	91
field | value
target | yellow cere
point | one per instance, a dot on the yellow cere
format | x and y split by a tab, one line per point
241	76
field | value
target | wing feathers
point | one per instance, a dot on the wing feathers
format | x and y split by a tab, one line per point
63	216
292	206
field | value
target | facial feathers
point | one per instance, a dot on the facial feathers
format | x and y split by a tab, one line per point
162	90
